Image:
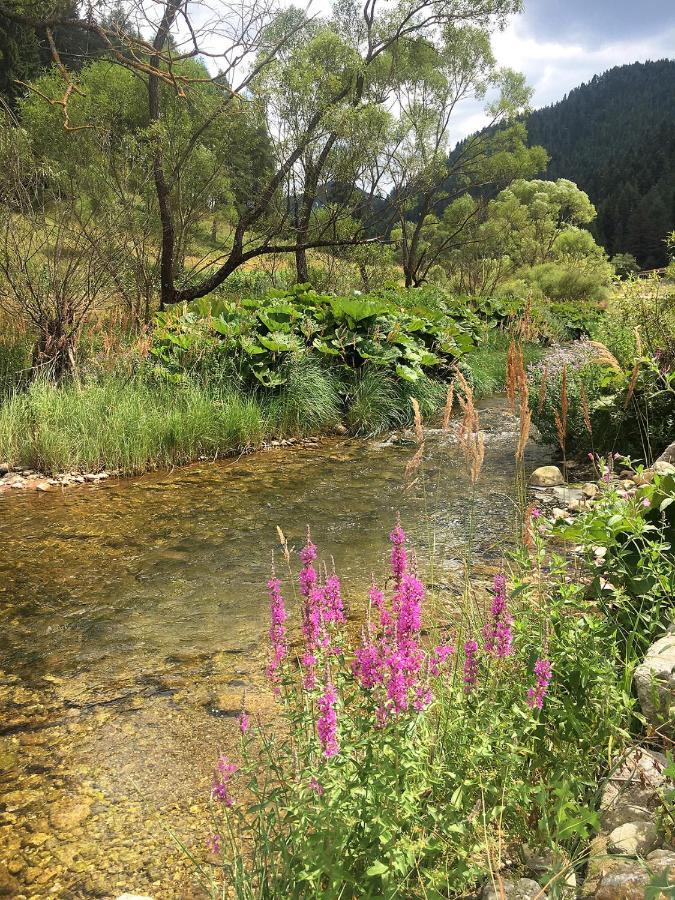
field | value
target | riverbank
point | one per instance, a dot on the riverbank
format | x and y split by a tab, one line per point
55	436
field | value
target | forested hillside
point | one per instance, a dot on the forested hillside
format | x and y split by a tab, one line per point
615	137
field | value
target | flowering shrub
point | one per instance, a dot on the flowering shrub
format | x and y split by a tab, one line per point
416	755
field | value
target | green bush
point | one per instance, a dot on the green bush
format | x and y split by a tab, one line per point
631	411
347	332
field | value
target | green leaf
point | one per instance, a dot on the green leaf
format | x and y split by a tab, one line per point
378	868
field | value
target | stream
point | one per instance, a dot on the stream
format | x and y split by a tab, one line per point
134	616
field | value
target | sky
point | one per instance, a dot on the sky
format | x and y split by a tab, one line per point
558	44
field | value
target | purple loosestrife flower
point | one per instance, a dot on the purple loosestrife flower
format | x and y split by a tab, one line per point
409	605
220	787
326	725
439	658
332	598
470	666
543	673
244	722
277	628
315	787
308	574
214	843
312	625
309	678
497	632
399	559
367	665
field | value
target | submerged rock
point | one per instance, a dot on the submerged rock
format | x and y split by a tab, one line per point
547	476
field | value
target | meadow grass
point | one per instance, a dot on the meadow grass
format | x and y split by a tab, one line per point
130	426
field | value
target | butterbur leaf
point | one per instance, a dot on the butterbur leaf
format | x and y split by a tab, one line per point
377	868
407	373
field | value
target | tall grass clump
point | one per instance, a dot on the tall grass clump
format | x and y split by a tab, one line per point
130	426
308	401
373	403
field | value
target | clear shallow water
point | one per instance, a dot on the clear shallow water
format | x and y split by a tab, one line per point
134	615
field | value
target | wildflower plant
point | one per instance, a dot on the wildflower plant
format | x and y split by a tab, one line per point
410	752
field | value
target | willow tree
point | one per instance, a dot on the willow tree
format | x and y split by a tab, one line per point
438	81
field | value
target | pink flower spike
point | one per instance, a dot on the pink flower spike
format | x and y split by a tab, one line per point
535	512
213	843
543	673
470	666
315	787
326	726
244	722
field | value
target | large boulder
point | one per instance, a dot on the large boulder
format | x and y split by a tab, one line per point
633	790
634	839
546	476
628	880
655	684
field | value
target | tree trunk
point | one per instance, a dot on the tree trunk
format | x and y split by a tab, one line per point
54	350
301	267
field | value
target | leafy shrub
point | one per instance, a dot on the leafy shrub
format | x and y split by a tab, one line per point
260	334
631	411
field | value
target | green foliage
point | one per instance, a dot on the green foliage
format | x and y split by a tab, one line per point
632	580
487	364
374	402
631	411
309	400
346	332
126	425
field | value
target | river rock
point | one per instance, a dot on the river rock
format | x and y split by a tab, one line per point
633	839
567	495
4	468
635	784
590	490
134	897
655	683
546	476
69	815
522	889
627	881
664	468
9	886
548	862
